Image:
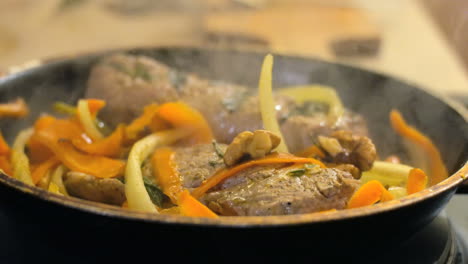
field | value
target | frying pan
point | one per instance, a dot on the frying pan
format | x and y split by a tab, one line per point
101	230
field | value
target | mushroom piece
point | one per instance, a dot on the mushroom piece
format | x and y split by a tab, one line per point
85	186
255	144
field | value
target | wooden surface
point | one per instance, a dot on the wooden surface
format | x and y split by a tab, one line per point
412	48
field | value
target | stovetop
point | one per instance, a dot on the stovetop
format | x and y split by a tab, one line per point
442	241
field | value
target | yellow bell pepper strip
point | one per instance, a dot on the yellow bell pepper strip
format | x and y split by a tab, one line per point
15	109
98	166
312	151
42	169
87	120
274	158
138	125
318	93
110	146
181	116
19	159
57	179
166	174
189	206
267	102
368	194
53	188
417	181
438	171
135	191
5	165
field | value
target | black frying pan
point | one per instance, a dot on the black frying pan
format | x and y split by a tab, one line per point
101	230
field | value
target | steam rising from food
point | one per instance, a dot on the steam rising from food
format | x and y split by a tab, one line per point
190	146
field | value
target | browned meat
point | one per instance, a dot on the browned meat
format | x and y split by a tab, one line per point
278	191
264	190
301	131
81	185
195	164
128	83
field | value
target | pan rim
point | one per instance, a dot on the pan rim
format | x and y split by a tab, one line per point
240	221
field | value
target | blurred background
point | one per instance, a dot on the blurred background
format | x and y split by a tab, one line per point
421	41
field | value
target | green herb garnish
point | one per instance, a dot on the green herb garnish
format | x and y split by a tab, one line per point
233	102
142	72
217	149
156	195
297	172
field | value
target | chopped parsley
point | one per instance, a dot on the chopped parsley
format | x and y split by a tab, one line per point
297	172
156	195
308	168
217	149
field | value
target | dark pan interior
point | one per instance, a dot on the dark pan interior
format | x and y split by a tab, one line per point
370	94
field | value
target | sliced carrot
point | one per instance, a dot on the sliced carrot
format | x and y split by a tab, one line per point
312	151
57	128
16	109
98	166
386	196
95	105
368	194
438	169
274	158
4	148
189	206
138	125
417	181
110	146
180	115
5	165
125	204
41	170
166	173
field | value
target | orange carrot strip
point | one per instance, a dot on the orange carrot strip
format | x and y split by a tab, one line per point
386	196
4	148
16	109
5	165
311	151
138	125
59	129
275	158
110	146
98	166
417	181
180	115
438	169
41	170
95	105
125	205
368	194
166	174
189	206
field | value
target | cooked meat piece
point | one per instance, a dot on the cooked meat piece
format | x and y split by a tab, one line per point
230	109
128	83
353	170
275	191
196	164
301	131
81	185
357	150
